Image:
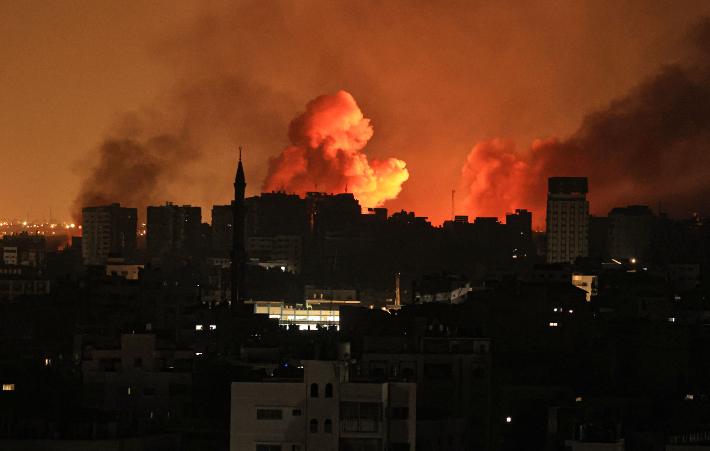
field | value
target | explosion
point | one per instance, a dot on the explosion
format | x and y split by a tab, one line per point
325	155
647	146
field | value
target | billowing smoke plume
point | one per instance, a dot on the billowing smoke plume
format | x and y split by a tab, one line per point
324	155
133	170
651	145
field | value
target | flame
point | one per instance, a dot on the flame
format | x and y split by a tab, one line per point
325	154
498	178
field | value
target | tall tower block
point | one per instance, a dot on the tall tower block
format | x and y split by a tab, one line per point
567	219
238	245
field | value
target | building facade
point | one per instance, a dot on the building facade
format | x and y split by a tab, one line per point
630	231
107	229
173	228
567	219
323	411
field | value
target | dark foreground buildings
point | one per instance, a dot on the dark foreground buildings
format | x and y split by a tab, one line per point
307	324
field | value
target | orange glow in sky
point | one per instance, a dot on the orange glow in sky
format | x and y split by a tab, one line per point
143	103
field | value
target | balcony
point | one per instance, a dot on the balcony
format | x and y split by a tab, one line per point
359	425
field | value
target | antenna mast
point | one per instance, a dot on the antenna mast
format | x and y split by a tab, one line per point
453	205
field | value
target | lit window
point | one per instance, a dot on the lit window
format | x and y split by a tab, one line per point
198	327
570	311
198	353
553	324
579	399
8	387
48	362
213	326
688	397
129	390
671	320
508	419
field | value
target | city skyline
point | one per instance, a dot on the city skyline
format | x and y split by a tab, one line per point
205	78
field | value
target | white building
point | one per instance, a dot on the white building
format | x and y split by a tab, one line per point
322	411
567	219
587	282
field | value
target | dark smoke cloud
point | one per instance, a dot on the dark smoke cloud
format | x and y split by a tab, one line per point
433	78
134	170
651	145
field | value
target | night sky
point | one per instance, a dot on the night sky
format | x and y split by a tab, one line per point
141	104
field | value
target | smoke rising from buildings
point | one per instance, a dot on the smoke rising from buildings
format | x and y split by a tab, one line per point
651	145
432	84
133	170
325	154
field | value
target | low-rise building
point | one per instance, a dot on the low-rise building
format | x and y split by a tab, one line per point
322	411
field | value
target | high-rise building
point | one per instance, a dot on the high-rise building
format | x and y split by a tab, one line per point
171	227
107	229
630	231
567	219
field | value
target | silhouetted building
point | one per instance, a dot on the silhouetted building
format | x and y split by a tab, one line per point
444	288
222	220
173	228
107	229
282	251
598	237
567	219
23	249
273	214
333	216
630	231
520	223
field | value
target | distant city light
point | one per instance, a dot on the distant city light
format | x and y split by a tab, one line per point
508	419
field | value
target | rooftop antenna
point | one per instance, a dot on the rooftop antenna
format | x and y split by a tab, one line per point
240	153
346	187
453	205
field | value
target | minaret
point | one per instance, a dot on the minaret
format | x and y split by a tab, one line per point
238	252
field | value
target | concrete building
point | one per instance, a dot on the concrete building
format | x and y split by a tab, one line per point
567	219
305	318
139	377
117	266
446	288
323	411
173	228
107	229
24	249
453	380
630	231
222	220
277	251
276	213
